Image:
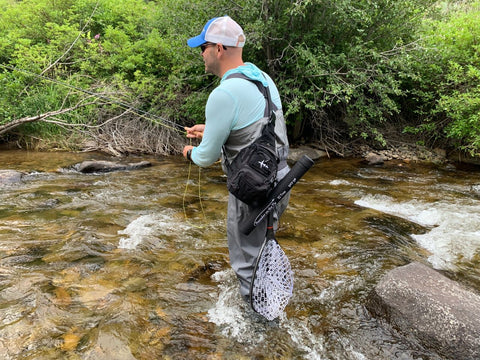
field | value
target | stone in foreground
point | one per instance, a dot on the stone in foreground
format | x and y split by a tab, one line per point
419	301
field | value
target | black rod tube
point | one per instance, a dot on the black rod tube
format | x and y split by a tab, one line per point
282	188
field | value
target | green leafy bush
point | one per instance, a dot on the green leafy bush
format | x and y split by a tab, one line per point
446	82
336	62
345	69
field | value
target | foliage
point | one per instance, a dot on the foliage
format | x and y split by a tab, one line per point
344	68
337	59
446	77
127	50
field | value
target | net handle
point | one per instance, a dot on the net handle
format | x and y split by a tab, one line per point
269	235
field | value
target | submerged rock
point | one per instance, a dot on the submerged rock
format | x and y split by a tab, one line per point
109	346
101	166
419	301
203	273
10	177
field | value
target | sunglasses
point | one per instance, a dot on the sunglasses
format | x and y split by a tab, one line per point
206	45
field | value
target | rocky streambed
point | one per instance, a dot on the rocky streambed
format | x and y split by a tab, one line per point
359	236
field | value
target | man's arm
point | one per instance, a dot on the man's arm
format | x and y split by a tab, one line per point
220	113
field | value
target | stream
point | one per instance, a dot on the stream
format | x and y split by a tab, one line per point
134	264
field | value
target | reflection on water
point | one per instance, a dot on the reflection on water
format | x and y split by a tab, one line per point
129	265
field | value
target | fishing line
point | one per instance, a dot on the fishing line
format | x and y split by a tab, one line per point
199	193
143	114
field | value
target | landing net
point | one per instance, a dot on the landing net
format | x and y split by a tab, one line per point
272	283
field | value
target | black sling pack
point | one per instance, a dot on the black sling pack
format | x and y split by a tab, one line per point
251	175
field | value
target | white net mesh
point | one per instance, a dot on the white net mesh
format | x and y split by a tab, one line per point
272	284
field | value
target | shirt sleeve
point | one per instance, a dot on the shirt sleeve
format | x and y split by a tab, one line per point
220	117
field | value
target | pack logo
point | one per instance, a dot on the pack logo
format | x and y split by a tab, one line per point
263	165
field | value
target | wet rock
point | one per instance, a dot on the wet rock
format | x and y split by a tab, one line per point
195	334
62	297
476	189
203	273
374	159
295	154
101	166
10	177
422	303
135	284
406	153
70	341
50	203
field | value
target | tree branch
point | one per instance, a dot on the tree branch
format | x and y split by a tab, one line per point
15	123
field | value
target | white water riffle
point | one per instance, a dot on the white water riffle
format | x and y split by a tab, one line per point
136	231
237	320
454	233
148	227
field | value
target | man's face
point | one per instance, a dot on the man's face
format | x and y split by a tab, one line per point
210	59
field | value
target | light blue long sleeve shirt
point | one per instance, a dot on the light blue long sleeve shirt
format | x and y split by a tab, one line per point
234	104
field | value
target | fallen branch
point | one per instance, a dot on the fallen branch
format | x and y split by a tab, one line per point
86	126
15	123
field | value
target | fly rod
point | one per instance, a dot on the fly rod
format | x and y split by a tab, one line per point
282	188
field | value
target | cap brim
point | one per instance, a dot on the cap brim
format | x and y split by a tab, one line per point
196	41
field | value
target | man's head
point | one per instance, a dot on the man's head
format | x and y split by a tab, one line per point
221	41
220	30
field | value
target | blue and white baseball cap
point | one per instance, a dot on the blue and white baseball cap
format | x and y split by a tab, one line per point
223	30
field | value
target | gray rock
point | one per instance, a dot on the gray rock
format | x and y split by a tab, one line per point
10	177
419	301
109	346
101	166
295	154
374	159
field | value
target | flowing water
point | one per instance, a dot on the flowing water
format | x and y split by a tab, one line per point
134	264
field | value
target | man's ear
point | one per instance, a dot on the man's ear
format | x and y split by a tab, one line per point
219	49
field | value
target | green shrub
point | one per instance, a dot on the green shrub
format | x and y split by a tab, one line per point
344	68
336	61
446	85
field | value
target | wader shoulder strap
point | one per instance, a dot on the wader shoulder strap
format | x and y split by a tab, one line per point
269	105
269	112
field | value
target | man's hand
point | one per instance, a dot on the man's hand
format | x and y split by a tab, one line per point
185	151
196	131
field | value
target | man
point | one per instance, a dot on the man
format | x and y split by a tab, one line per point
234	119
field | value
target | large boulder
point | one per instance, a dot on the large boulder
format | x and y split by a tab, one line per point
419	301
101	166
